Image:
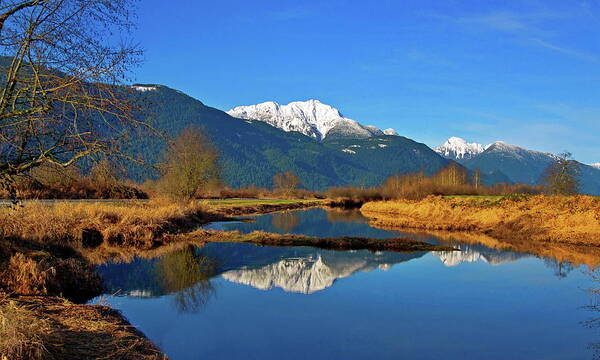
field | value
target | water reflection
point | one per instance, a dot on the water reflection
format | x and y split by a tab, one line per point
187	275
286	221
502	301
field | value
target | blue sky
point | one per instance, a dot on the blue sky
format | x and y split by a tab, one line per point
525	72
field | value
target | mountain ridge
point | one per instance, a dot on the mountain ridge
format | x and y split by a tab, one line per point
252	152
519	164
311	118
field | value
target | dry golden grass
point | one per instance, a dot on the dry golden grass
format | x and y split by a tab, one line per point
22	333
569	220
46	250
33	327
131	222
39	273
261	238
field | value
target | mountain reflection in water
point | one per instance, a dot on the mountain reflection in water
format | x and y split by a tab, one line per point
187	272
356	304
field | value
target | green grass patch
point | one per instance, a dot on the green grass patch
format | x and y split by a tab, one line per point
254	202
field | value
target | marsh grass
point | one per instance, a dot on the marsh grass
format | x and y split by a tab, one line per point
559	219
22	333
134	223
38	327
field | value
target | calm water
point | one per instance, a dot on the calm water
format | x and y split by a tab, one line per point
239	301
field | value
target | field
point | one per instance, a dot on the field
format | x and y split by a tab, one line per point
47	252
573	220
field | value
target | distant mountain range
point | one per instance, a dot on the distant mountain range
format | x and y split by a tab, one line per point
311	118
252	151
322	146
519	165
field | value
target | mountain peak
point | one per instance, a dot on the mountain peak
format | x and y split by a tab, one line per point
457	148
144	87
311	118
596	165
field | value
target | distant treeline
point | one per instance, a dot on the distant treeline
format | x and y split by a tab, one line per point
451	180
55	182
102	182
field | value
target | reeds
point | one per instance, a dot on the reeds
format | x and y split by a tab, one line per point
574	219
51	328
132	223
22	333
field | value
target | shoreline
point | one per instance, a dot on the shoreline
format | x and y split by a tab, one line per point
46	278
561	227
43	274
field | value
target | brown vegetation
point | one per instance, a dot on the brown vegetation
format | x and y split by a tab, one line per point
48	250
131	223
571	220
54	182
286	182
260	207
339	243
562	177
190	166
254	192
35	327
561	252
452	180
39	273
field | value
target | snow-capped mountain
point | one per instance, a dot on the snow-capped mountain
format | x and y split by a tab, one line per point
469	254
457	148
596	165
515	163
299	275
311	118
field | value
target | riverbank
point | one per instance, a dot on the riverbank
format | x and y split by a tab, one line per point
48	253
573	220
44	327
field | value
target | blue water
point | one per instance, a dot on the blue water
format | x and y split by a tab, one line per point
240	301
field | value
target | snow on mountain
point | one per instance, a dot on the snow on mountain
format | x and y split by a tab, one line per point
467	254
144	88
596	165
311	118
390	131
457	148
518	152
299	275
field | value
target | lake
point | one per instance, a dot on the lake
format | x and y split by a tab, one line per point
241	301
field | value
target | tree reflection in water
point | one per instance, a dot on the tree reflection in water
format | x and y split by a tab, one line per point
187	275
561	268
285	221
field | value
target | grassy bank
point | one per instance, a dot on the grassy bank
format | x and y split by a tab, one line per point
41	327
243	207
338	243
573	220
47	253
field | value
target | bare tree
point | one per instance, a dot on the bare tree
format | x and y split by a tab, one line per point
452	175
286	182
562	177
190	164
476	177
60	70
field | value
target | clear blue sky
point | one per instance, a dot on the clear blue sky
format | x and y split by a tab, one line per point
525	72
